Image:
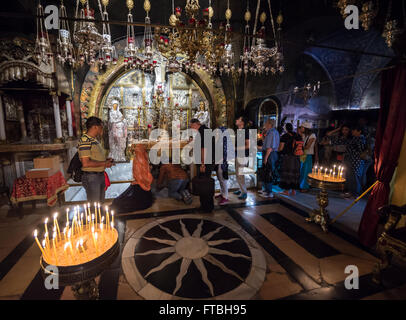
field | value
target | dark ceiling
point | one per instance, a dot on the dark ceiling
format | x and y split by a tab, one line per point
314	19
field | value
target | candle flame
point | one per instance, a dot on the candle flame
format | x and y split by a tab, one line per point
92	216
46	220
65	246
98	205
95	235
54	235
92	229
112	225
35	233
43	243
55	215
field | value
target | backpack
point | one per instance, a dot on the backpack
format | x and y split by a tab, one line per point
75	168
298	147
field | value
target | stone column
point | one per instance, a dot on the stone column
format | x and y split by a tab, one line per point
69	117
57	115
2	122
20	114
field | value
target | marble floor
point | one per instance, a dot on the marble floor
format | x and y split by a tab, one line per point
258	249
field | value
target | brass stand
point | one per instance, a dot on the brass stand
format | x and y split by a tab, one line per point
87	290
320	216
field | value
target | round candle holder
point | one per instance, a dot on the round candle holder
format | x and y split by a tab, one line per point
325	182
81	277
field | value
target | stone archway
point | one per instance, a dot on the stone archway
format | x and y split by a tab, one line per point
96	84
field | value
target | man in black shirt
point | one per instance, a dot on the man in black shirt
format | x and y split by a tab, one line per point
205	169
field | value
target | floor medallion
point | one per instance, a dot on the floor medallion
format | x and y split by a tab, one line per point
193	257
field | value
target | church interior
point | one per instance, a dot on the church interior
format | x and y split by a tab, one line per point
102	102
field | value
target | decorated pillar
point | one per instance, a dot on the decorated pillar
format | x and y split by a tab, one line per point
2	123
69	117
57	115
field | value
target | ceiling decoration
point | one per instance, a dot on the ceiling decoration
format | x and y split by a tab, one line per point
190	42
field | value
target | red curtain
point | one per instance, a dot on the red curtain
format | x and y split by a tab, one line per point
389	138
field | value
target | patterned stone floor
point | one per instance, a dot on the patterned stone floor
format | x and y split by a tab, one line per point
253	250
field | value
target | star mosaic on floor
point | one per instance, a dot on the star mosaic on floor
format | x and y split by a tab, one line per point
193	258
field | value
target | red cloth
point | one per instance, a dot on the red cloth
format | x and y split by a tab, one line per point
106	181
25	189
389	139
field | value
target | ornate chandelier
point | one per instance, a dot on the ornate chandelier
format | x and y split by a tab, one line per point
367	15
42	49
65	52
107	53
265	59
86	36
195	43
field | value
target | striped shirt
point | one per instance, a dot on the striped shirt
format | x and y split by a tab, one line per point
91	148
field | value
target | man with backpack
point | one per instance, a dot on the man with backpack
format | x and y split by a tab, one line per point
93	159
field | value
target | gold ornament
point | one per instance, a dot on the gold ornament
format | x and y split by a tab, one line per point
83	2
147	5
279	19
262	18
172	20
105	3
228	14
130	4
211	12
247	16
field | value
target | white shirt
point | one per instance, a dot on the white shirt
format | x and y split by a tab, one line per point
311	148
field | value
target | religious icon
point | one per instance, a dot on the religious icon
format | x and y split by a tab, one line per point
203	115
117	132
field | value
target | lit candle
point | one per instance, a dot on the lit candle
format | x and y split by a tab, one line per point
112	217
67	215
83	250
321	170
315	170
329	175
98	206
107	217
92	221
84	207
88	210
54	245
94	240
46	229
67	244
46	257
46	238
101	233
95	211
334	170
39	245
56	224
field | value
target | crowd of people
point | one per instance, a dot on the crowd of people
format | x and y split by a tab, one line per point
296	152
288	156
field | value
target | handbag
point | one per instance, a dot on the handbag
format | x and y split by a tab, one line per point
202	185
